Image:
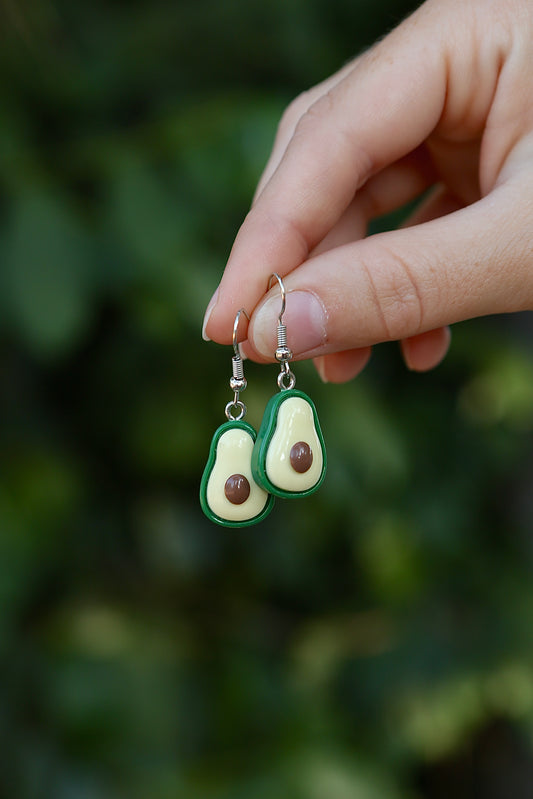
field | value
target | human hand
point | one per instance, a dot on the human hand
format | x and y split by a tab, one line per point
444	102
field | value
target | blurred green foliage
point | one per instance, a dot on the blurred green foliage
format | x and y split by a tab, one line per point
358	644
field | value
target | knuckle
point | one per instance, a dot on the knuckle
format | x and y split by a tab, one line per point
292	115
397	296
315	112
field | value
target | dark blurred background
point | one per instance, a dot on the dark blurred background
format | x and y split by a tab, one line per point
371	641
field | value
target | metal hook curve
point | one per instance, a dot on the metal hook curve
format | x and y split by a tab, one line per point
236	330
275	276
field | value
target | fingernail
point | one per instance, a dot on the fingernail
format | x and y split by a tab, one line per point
305	318
405	346
320	366
208	312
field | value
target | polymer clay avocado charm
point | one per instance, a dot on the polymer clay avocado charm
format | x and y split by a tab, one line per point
289	456
229	495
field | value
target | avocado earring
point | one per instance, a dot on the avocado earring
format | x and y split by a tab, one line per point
229	495
289	456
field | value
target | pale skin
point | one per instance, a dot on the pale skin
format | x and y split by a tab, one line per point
443	104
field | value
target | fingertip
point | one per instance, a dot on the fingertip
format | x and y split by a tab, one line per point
340	367
207	316
219	319
427	350
320	366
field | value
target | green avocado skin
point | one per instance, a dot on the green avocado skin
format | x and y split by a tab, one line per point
207	471
264	436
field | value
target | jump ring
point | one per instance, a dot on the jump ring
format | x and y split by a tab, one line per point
235	404
288	375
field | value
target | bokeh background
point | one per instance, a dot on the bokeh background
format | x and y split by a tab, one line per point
374	640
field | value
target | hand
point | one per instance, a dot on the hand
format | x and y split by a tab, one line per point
444	103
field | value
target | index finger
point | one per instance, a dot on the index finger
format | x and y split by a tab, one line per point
379	111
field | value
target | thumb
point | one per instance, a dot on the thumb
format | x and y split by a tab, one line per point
399	284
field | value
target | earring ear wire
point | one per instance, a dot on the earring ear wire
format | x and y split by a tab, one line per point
283	354
237	381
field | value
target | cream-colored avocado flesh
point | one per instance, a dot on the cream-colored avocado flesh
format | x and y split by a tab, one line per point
295	422
233	456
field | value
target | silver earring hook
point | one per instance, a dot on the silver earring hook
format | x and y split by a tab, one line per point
283	354
275	276
236	347
236	410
